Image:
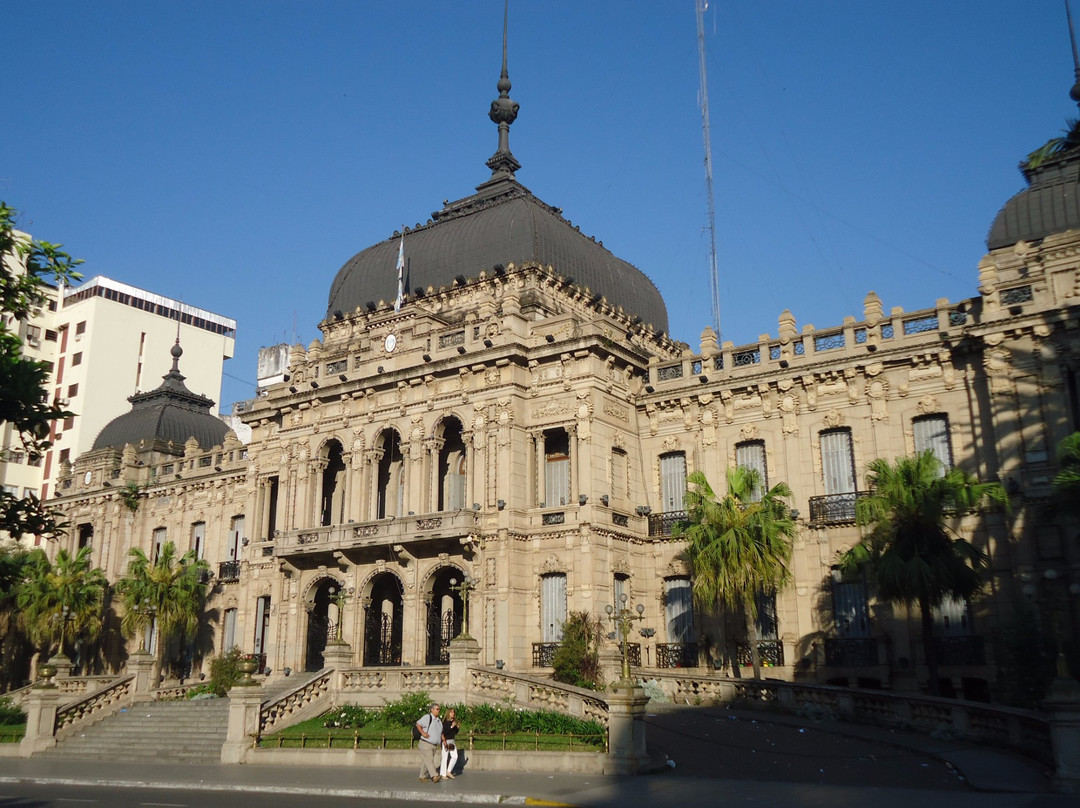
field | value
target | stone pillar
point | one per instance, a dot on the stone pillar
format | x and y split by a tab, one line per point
141	665
63	666
626	731
610	662
41	706
245	703
464	654
339	657
1063	704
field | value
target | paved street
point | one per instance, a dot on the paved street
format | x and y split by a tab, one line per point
719	755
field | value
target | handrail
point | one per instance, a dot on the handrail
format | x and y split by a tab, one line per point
95	704
291	703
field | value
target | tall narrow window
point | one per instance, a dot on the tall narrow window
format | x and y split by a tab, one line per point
198	538
751	455
229	638
837	461
159	542
620	476
236	536
678	610
766	624
850	611
86	535
552	606
556	468
952	618
932	432
391	476
332	506
262	624
673	481
622	587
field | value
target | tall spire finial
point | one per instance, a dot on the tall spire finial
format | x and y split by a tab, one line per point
1074	93
503	112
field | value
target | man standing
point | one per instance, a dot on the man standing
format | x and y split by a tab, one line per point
430	728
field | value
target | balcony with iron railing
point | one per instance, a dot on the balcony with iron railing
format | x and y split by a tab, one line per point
851	652
662	524
834	509
968	650
676	655
229	571
770	653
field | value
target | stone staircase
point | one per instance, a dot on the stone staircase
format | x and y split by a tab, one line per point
158	731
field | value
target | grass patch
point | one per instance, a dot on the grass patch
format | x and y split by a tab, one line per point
12	733
483	726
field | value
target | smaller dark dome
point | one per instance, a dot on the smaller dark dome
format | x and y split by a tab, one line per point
1050	204
169	413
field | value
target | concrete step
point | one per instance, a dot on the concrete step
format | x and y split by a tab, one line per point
171	731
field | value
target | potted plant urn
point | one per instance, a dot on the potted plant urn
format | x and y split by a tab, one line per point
247	666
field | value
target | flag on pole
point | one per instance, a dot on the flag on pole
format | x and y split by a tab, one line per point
400	274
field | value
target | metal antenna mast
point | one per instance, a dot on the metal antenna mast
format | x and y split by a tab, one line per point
704	90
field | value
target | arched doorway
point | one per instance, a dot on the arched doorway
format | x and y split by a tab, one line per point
323	617
443	615
383	621
332	502
451	467
391	482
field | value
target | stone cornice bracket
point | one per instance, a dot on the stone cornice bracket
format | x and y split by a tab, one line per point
286	568
342	562
404	556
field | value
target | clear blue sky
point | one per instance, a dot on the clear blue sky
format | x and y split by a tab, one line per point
235	154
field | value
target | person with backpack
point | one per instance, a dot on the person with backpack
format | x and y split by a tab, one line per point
429	730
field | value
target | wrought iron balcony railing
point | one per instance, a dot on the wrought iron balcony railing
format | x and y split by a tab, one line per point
850	652
543	653
960	650
661	524
834	508
229	571
770	653
676	655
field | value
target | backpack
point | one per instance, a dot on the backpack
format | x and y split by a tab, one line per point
416	736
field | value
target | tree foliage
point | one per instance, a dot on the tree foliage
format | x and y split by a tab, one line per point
577	660
738	545
170	590
24	401
1066	487
910	551
61	600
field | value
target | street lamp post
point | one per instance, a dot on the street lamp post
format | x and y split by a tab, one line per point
467	585
623	619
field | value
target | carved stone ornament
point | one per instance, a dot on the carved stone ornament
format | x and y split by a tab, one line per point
749	432
928	404
552	564
877	391
676	568
789	412
620	566
833	419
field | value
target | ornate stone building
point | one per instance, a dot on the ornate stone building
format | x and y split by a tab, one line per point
520	416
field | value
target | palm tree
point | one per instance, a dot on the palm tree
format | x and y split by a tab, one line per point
1066	488
168	592
61	599
738	546
910	551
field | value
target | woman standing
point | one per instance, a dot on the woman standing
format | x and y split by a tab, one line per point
449	745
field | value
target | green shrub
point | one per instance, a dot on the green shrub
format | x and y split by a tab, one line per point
224	673
11	713
577	662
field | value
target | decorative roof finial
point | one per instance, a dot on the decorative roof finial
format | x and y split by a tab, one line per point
503	112
1074	93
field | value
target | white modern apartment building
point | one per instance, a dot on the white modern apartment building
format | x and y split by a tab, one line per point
113	341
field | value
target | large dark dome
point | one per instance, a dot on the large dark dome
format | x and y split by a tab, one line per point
502	224
1050	204
169	413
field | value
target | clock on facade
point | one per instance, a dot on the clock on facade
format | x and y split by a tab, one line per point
390	343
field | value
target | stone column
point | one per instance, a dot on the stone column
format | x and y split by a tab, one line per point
245	703
611	661
1063	704
540	490
41	706
626	731
141	665
464	654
